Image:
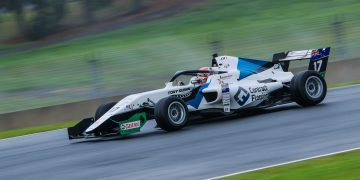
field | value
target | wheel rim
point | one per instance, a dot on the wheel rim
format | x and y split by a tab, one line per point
314	87
176	113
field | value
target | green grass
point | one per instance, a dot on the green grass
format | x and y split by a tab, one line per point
343	84
36	129
147	54
340	166
29	101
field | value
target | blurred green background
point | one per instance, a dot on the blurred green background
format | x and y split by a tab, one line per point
128	46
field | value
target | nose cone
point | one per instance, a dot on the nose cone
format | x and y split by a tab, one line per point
117	109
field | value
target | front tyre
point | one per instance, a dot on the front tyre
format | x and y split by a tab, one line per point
171	113
102	109
308	88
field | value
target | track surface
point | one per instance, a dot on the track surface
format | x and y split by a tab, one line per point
201	150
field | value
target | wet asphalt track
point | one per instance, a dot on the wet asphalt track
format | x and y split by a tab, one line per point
201	150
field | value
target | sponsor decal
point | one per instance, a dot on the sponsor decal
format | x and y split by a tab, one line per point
228	76
241	96
129	107
133	124
258	93
114	109
226	65
179	91
148	103
226	97
225	88
184	93
130	125
255	97
300	54
258	89
224	77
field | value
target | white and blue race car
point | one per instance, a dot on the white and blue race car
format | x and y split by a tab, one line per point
230	85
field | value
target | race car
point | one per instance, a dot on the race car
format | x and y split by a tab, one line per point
229	85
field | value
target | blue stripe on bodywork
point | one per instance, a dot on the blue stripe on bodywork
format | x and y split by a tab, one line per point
249	66
195	102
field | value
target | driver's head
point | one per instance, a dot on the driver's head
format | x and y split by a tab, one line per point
203	76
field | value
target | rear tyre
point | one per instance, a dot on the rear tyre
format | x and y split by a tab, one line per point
102	109
171	113
308	88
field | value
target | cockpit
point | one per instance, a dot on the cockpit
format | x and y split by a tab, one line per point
196	77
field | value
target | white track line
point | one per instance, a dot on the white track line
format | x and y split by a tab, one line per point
284	163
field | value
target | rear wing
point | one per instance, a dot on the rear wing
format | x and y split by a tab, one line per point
318	59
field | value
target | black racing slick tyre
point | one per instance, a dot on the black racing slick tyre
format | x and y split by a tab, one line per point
102	109
308	88
171	113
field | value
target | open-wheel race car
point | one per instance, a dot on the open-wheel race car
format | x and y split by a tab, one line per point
230	85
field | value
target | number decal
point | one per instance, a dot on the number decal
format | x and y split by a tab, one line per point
317	65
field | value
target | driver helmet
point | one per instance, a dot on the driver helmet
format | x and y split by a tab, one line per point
202	77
